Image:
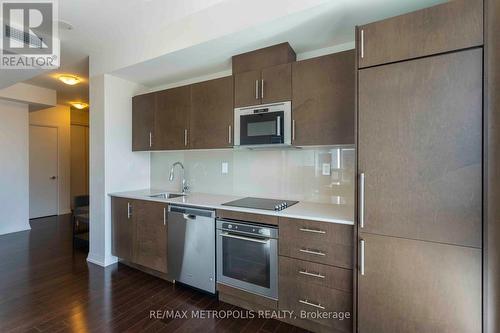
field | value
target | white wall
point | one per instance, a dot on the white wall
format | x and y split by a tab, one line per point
113	166
59	117
14	167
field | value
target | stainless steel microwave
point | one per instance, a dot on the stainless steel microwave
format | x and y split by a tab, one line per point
263	125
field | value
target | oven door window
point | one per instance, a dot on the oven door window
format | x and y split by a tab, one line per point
262	128
246	260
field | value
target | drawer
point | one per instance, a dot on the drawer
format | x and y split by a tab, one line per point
321	242
247	217
315	274
314	300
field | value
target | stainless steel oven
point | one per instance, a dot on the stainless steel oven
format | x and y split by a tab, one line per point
263	125
247	257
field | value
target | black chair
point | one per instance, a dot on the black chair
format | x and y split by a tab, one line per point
81	220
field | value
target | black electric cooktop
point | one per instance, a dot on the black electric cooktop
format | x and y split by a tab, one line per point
259	203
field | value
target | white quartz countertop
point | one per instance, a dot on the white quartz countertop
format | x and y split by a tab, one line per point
334	213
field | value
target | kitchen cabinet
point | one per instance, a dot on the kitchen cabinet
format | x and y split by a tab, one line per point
172	119
323	100
143	121
269	85
451	26
420	144
122	228
256	60
139	232
150	245
211	120
416	286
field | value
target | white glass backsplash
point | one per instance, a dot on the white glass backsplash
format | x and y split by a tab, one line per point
318	175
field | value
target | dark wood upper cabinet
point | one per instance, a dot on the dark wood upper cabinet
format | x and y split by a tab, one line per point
451	26
150	246
415	286
143	120
122	228
172	119
211	120
323	100
420	148
263	76
276	84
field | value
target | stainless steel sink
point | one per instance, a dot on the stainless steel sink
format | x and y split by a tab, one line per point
167	195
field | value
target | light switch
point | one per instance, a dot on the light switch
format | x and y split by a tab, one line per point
225	168
326	169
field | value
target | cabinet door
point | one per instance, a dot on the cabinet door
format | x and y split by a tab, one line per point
143	119
122	228
419	146
276	84
451	26
415	286
211	120
151	235
323	100
246	88
172	119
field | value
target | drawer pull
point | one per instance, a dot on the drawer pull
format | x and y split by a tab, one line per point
314	231
317	275
314	305
315	252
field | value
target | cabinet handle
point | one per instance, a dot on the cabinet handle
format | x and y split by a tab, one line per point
164	215
317	275
362	257
314	305
150	139
229	134
185	137
362	200
256	89
129	210
362	43
262	88
293	130
315	252
315	231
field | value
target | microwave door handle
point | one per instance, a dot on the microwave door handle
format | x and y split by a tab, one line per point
255	240
278	126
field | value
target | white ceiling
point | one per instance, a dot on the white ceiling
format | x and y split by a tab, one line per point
163	34
320	27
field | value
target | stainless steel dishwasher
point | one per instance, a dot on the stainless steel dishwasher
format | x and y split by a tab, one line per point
191	246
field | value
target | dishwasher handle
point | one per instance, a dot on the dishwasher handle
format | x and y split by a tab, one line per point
190	212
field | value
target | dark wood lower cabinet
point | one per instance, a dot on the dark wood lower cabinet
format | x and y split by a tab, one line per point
122	228
150	246
416	286
139	232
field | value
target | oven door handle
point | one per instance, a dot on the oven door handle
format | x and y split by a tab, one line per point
255	240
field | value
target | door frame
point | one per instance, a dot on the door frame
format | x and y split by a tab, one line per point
58	166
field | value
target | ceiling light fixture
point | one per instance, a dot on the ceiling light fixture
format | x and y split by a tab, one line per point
79	105
69	79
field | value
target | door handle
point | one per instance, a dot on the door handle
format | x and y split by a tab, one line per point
256	89
362	42
362	200
164	215
185	137
229	134
362	257
53	177
293	130
262	88
129	210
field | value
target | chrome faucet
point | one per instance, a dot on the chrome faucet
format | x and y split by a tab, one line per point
185	187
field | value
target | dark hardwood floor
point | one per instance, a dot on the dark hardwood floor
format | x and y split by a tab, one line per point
45	286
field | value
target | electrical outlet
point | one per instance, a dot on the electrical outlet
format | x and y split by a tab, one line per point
225	168
326	169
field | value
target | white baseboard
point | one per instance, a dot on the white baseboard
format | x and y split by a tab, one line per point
102	261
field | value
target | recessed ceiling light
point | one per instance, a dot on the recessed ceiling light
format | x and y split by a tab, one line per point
69	79
79	105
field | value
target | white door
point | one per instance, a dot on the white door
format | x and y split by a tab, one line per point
43	171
